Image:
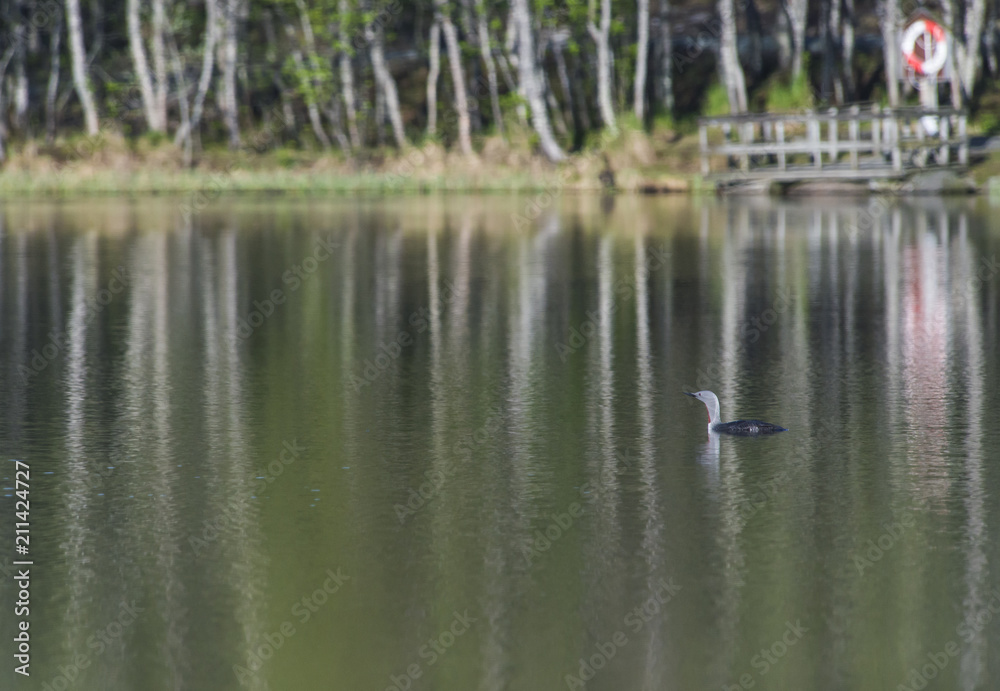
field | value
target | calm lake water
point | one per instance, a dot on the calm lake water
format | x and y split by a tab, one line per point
441	443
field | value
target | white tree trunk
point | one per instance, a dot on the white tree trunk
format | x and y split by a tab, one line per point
78	55
160	60
847	48
955	85
457	77
433	73
347	77
491	68
385	82
641	57
230	14
666	59
4	61
142	73
530	83
21	94
601	36
969	49
207	66
732	71
798	12
182	99
888	11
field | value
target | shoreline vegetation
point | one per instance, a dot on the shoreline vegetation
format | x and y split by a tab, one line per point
630	161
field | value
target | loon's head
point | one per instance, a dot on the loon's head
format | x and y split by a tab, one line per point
711	402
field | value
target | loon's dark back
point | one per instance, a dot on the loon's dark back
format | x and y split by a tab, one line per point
748	428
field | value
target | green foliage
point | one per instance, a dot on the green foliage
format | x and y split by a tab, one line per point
716	100
790	95
987	114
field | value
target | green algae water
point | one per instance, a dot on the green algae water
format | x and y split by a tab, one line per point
442	443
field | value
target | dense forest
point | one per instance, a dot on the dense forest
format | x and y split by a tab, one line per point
357	74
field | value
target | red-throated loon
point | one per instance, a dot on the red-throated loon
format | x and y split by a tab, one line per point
742	427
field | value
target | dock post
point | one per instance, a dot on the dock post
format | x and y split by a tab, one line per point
963	144
877	131
817	152
780	129
853	129
833	126
746	139
945	134
897	153
703	141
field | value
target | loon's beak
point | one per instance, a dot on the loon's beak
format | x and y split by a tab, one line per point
693	395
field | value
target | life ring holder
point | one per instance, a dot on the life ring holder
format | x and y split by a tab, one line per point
936	62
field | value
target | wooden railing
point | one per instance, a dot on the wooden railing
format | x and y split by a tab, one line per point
894	139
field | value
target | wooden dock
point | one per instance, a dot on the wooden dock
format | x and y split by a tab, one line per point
855	144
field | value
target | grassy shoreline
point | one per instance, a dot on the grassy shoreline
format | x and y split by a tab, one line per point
114	165
642	163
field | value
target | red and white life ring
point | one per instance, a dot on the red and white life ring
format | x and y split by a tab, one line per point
930	64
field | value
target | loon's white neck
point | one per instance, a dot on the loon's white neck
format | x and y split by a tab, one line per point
713	409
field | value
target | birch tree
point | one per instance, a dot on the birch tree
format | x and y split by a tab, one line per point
967	50
457	75
433	74
530	82
78	60
347	73
797	12
384	80
888	19
601	37
729	59
665	58
184	132
227	97
642	55
154	102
